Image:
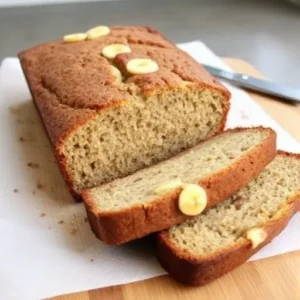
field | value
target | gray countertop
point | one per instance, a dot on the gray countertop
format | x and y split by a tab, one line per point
266	33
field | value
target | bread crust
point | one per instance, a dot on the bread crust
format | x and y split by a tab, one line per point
64	100
192	270
128	224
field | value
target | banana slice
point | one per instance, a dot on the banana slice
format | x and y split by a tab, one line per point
168	186
192	200
257	236
141	66
75	37
117	74
97	32
113	50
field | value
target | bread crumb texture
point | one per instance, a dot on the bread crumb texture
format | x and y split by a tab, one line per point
150	117
226	223
202	160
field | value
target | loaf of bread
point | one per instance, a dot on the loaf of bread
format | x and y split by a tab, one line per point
206	247
153	199
115	100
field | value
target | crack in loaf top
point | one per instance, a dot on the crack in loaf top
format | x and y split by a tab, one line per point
79	77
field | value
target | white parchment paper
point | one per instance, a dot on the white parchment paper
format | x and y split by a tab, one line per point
46	246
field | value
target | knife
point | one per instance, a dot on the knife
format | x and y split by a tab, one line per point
257	85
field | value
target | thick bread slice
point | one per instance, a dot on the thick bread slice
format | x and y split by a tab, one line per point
207	247
127	209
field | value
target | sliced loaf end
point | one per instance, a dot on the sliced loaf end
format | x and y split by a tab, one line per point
127	208
207	247
115	144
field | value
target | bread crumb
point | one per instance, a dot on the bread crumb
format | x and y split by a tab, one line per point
91	259
21	139
39	185
85	220
20	121
138	179
73	232
239	201
16	191
33	165
61	222
33	192
42	215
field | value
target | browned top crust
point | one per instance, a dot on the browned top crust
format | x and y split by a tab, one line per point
71	81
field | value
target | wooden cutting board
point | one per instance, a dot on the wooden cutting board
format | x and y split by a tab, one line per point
276	278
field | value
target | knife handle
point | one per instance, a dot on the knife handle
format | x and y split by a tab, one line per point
266	87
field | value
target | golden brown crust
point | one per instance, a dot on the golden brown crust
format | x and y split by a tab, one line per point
135	222
71	82
192	270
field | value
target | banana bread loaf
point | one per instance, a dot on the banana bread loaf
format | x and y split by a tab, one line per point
209	246
115	100
153	199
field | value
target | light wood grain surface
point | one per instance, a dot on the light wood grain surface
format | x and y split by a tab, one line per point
276	278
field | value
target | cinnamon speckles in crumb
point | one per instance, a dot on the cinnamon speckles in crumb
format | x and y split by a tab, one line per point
85	220
16	191
21	139
33	192
239	201
61	222
33	165
91	260
42	215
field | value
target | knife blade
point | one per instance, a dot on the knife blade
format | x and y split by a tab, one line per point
257	85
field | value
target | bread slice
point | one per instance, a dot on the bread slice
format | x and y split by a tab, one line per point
208	246
127	209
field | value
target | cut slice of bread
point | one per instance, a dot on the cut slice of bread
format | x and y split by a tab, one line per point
208	246
128	208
